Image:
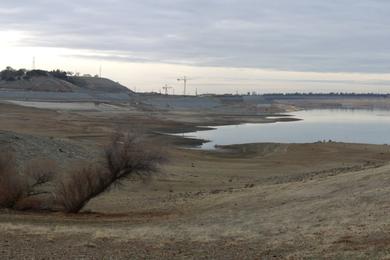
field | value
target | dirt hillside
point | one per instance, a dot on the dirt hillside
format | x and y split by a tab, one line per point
73	84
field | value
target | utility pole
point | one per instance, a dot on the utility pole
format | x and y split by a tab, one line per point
100	71
33	63
165	88
184	79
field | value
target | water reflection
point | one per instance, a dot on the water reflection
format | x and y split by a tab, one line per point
353	126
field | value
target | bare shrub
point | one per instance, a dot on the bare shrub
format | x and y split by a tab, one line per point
18	191
130	155
40	172
79	187
126	156
36	196
12	186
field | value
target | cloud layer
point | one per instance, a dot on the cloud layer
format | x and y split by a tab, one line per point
300	35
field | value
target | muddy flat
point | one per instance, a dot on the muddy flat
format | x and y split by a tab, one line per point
253	201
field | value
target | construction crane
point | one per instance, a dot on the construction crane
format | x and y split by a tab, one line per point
184	79
165	88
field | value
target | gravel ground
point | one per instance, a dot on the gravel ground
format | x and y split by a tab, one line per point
27	147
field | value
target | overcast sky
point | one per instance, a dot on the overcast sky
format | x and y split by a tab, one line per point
226	45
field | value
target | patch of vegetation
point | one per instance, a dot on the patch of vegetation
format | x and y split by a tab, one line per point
126	156
13	187
10	74
11	184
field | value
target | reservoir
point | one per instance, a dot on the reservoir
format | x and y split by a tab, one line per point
340	125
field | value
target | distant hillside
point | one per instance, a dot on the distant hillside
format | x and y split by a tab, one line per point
55	81
98	84
49	84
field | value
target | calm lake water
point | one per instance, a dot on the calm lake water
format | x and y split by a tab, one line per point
350	126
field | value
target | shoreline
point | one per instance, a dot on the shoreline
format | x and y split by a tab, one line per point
248	198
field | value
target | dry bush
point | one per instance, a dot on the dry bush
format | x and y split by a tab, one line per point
12	186
127	156
39	172
79	187
130	155
19	192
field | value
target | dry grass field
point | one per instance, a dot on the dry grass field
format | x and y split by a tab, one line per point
254	201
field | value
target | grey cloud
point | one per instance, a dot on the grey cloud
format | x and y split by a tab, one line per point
300	35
